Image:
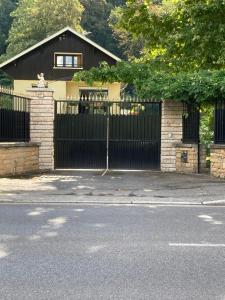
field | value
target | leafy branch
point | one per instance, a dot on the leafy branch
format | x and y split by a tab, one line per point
195	87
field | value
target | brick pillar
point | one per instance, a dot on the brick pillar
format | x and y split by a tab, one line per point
171	133
42	125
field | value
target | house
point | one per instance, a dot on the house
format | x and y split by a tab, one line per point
59	56
137	135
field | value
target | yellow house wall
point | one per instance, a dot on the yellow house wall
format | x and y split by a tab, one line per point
59	87
74	87
68	89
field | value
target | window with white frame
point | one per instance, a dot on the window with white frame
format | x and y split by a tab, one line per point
68	60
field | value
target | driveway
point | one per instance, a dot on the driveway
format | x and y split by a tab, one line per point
114	187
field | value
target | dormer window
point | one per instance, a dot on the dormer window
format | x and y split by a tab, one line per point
68	61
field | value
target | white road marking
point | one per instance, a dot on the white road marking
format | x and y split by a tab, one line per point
217	222
195	245
205	217
3	251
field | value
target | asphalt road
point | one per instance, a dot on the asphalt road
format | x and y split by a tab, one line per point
111	252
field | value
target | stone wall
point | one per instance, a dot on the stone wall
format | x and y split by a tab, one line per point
171	134
42	125
187	158
18	158
217	157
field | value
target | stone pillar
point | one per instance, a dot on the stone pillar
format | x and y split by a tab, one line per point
42	125
217	158
171	133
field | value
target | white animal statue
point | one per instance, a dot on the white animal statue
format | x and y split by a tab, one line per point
41	82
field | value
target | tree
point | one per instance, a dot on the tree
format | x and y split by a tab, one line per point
5	80
117	2
6	7
95	22
178	34
34	20
131	47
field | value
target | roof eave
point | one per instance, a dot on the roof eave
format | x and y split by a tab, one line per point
83	37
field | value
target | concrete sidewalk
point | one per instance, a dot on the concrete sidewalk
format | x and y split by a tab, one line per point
114	187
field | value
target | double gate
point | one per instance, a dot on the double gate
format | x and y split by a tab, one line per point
106	134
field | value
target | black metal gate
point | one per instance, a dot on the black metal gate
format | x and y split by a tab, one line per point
219	123
191	123
90	134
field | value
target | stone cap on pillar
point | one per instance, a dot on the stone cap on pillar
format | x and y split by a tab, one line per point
40	92
36	89
217	146
184	145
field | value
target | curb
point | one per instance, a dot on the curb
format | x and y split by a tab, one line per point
214	203
130	203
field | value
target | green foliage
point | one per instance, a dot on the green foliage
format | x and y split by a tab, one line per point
116	2
130	46
5	80
34	20
195	87
121	72
95	22
6	7
6	101
207	125
179	34
141	21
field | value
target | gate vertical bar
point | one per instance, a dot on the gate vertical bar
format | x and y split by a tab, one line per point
55	130
107	139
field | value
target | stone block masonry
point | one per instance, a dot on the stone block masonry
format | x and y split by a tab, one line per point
171	133
187	158
217	158
192	164
18	158
42	125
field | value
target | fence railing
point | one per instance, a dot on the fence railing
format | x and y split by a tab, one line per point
219	128
191	123
14	117
102	95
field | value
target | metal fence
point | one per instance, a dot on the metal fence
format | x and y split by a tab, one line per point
14	117
219	128
191	123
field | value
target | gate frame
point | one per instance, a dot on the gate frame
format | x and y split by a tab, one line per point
107	102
